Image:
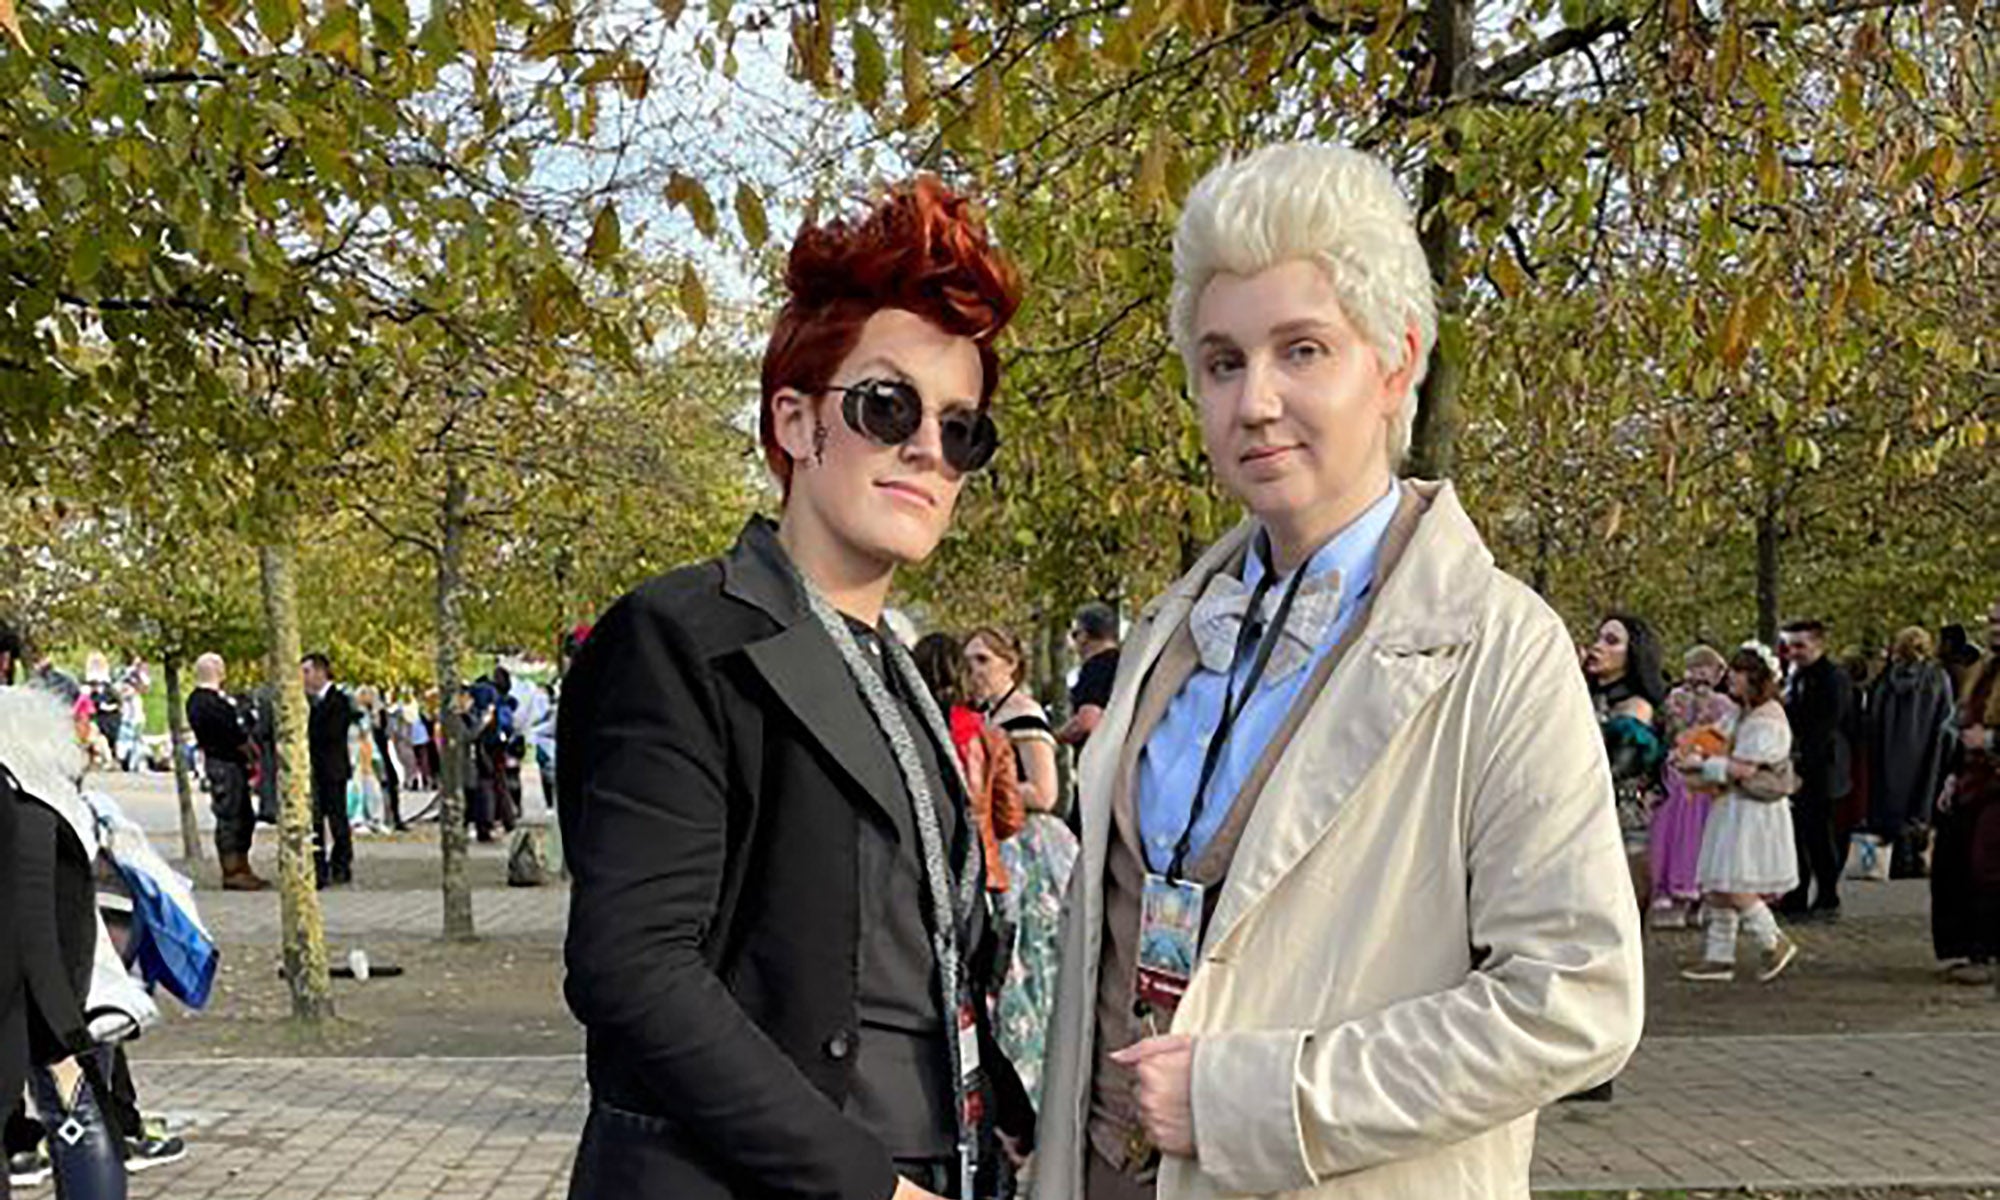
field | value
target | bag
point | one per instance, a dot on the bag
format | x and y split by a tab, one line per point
173	950
526	867
1868	858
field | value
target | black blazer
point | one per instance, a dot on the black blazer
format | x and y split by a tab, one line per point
326	737
1821	712
717	763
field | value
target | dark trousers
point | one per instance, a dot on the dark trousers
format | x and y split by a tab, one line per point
1820	858
392	789
330	825
229	800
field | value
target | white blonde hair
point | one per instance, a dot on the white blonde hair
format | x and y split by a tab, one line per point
1329	205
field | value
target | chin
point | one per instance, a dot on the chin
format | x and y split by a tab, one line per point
895	542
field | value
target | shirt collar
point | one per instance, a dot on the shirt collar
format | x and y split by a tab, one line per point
1354	551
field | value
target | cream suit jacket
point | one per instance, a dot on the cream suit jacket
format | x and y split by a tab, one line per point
1428	932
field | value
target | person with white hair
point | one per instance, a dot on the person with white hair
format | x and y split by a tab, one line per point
225	763
1352	904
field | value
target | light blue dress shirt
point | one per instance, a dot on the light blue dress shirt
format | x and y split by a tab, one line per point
1170	766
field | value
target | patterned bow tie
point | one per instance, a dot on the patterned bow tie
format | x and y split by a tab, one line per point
1217	620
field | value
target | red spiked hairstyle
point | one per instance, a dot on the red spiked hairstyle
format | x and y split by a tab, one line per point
922	248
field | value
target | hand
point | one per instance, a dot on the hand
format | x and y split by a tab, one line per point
1973	737
1164	1090
1740	771
905	1190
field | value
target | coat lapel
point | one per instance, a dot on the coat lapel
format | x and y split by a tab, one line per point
1423	615
804	669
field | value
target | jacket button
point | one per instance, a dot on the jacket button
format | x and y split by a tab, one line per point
839	1046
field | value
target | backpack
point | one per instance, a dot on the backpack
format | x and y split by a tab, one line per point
527	866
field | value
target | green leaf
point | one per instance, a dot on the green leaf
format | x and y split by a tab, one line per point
605	236
277	20
551	39
871	69
693	297
751	217
338	36
685	191
392	22
87	259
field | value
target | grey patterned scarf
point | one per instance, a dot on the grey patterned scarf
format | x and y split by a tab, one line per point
951	894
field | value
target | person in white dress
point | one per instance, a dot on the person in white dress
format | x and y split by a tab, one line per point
1747	852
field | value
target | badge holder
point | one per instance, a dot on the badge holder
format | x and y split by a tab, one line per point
1170	914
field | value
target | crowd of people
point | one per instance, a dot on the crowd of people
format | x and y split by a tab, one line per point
368	750
1753	786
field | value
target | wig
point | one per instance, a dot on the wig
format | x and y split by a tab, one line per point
1644	674
922	248
1328	205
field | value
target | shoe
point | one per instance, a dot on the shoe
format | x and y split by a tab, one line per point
154	1147
29	1168
1601	1094
1973	974
1777	958
343	876
1828	913
1709	972
238	877
1666	916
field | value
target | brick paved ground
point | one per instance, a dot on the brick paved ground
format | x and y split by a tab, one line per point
1690	1113
1852	1109
1778	1111
367	1129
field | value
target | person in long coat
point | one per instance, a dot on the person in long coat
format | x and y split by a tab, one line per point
1910	727
1349	772
1965	863
778	913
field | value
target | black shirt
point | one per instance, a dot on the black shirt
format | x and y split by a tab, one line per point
217	729
1094	681
902	1070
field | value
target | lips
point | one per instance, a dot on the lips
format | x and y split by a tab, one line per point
1264	454
908	491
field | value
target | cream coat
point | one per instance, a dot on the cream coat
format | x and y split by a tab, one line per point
1428	932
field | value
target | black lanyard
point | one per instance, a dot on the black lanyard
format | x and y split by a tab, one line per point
1232	704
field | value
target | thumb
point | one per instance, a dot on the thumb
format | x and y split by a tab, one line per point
1151	1047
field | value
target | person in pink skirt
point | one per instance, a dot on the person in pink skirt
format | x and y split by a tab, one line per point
1703	718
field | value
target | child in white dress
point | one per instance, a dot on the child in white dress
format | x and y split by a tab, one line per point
1747	852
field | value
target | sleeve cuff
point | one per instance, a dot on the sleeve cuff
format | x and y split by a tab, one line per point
1246	1113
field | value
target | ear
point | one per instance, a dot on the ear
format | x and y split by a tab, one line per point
793	415
1396	387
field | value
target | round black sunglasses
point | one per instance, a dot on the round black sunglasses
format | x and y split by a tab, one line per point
890	411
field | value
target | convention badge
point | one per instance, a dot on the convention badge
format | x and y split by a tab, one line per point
969	1071
1169	933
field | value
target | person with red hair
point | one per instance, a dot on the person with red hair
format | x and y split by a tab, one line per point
777	922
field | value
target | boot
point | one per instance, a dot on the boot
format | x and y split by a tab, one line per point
238	877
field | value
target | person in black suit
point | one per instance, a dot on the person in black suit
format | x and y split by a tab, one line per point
1819	703
777	919
326	735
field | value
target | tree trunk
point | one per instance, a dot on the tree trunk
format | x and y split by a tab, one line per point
304	931
1448	28
1770	507
1767	566
450	650
183	786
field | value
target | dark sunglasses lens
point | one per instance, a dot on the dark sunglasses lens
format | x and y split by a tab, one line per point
890	412
969	441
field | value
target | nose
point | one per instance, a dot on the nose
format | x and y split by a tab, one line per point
926	446
1258	403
